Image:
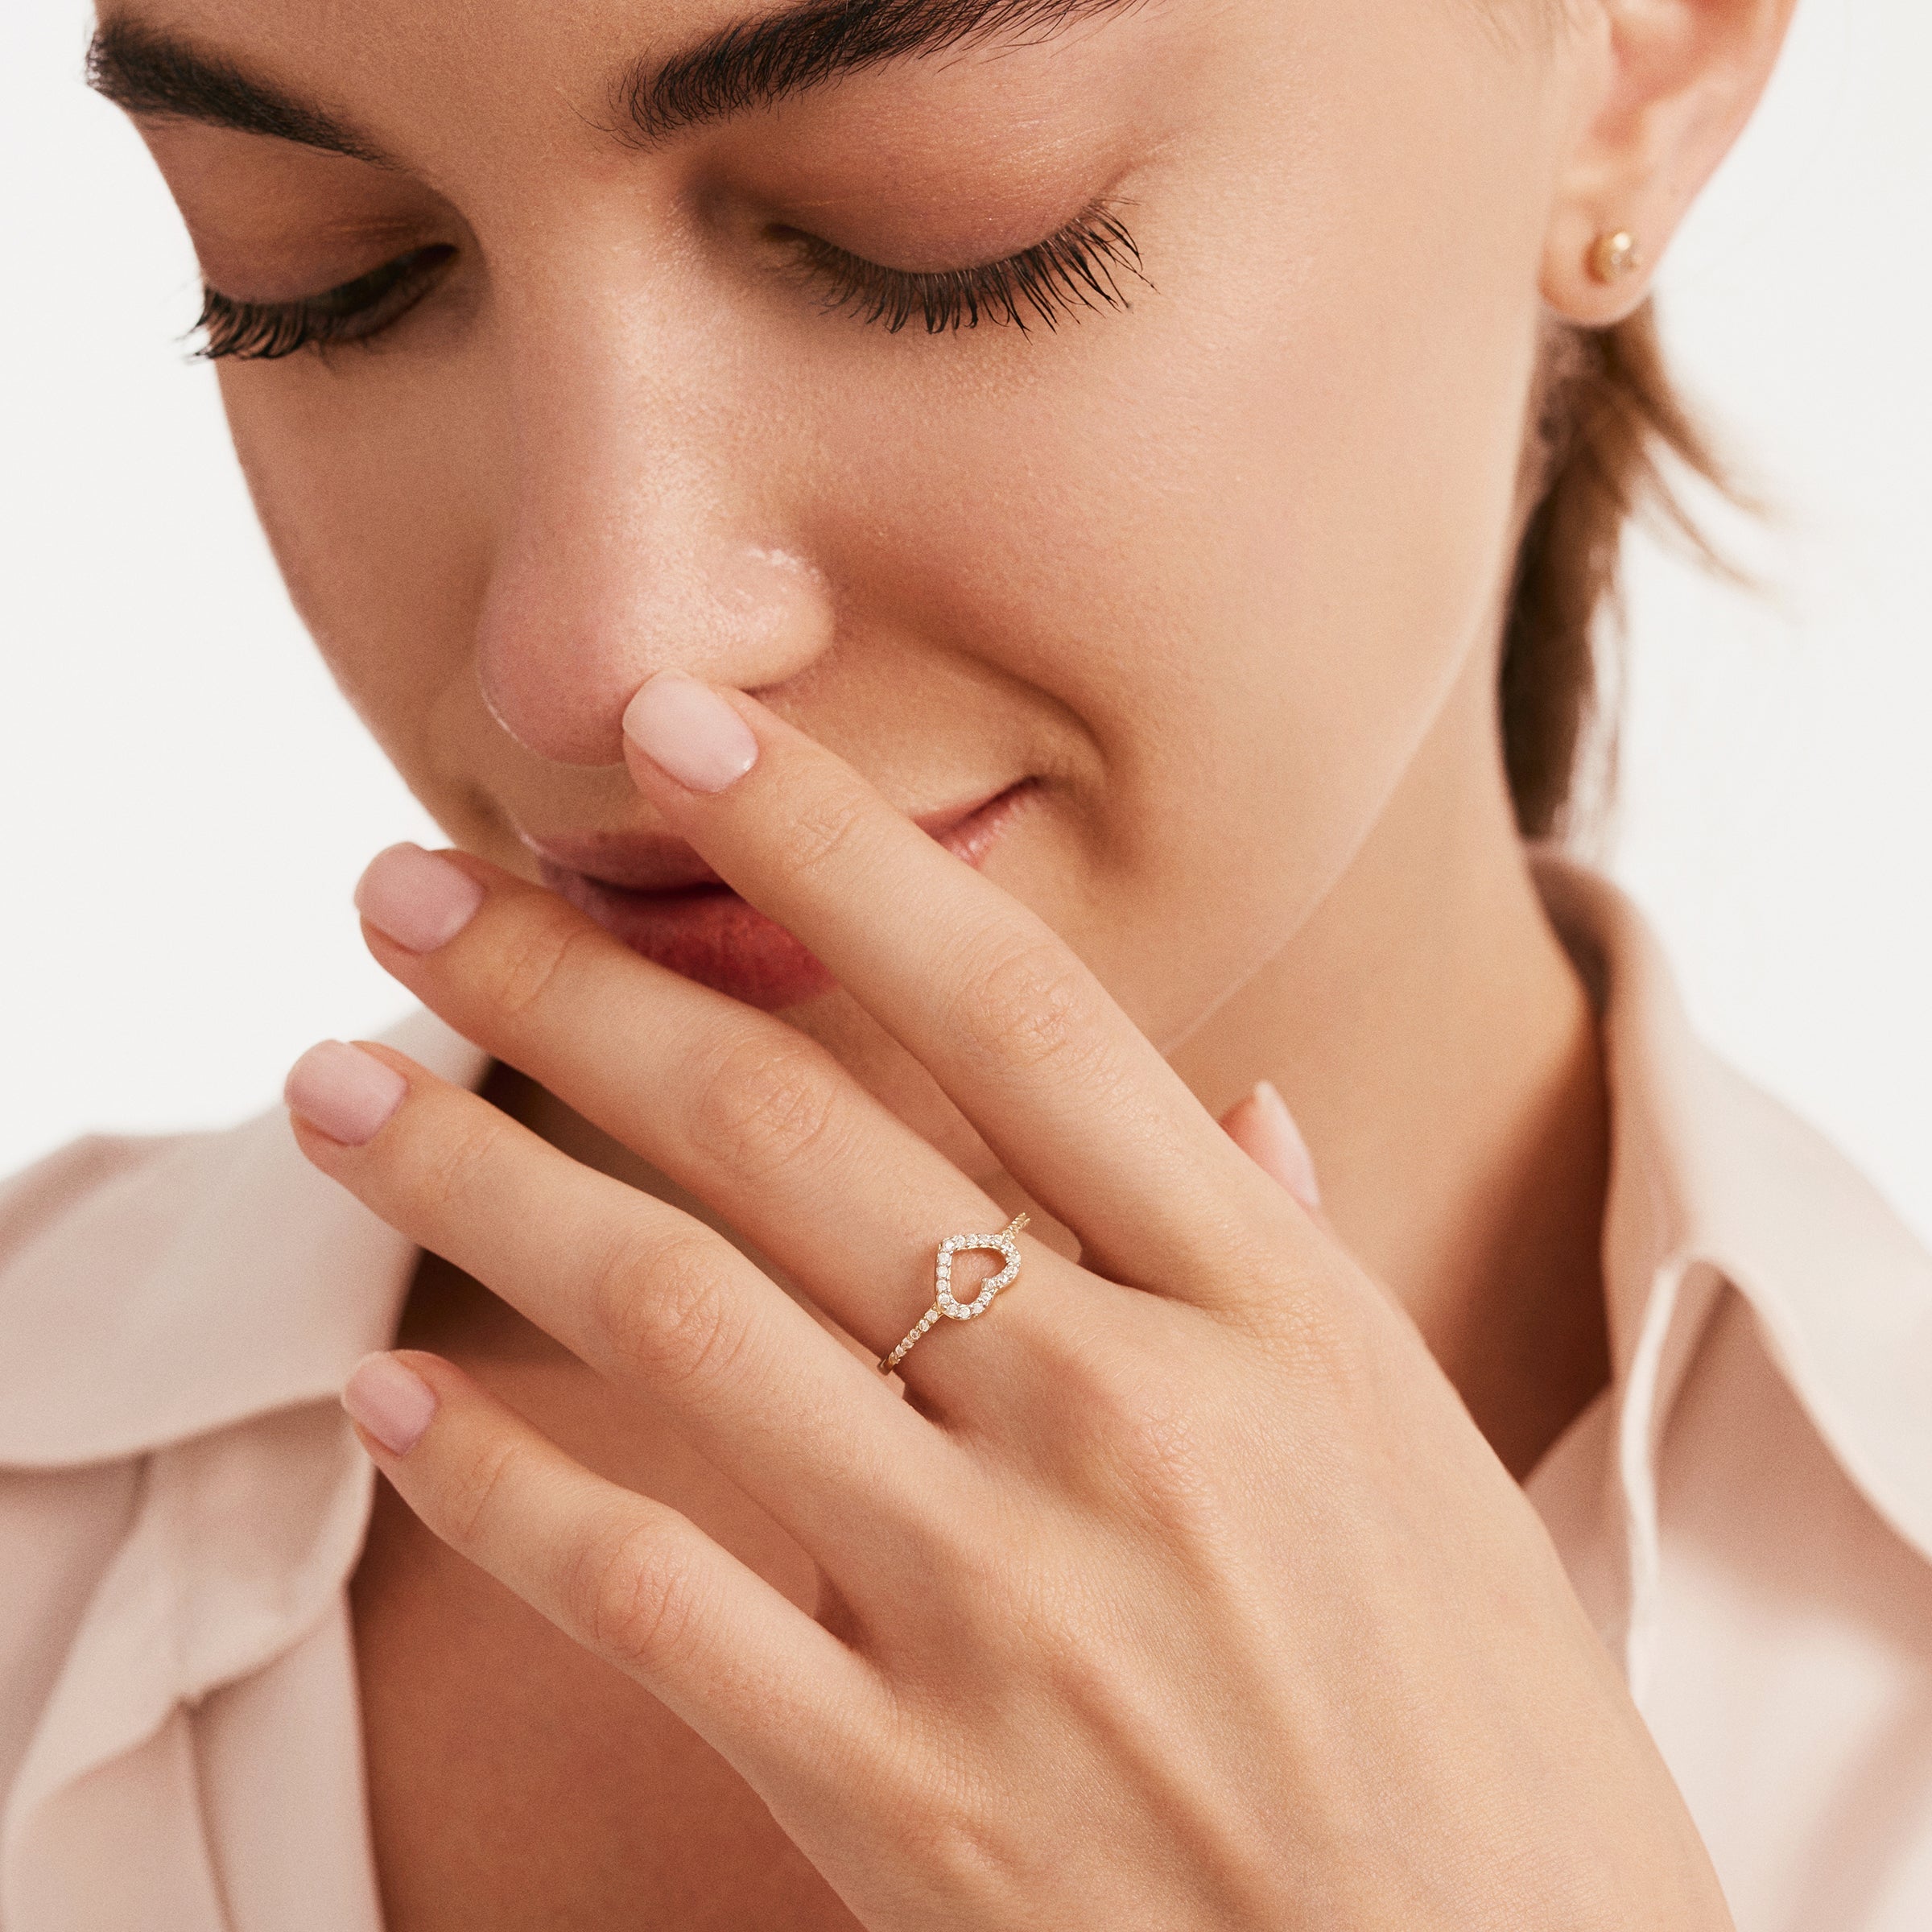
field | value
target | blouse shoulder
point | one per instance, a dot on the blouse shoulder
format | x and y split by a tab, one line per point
62	1187
154	1290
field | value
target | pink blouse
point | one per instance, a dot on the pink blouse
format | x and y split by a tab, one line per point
1746	1513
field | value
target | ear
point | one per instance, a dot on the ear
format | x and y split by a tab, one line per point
1663	88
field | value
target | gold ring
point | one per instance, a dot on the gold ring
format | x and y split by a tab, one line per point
943	1303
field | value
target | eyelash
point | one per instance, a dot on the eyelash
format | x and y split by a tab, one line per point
1081	267
265	332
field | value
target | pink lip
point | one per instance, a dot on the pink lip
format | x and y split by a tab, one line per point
662	900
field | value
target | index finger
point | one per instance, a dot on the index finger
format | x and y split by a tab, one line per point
1074	1098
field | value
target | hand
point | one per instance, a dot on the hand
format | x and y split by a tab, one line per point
1182	1592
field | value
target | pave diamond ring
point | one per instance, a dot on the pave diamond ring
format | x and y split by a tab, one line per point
943	1303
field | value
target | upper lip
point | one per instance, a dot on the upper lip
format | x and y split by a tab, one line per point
643	861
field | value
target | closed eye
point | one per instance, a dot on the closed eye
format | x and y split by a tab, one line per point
352	312
1081	267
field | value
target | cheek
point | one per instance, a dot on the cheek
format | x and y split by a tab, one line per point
1251	565
1255	540
373	487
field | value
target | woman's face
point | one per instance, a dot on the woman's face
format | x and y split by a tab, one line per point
1182	573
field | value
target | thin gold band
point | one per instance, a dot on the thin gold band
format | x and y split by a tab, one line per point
943	1303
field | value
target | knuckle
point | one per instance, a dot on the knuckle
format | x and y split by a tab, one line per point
1153	1439
1031	1001
1321	1330
445	1171
824	830
474	1486
632	1594
1154	1427
763	1103
1066	1632
1312	1309
966	1837
658	1306
520	972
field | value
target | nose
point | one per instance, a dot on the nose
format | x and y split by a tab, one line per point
639	534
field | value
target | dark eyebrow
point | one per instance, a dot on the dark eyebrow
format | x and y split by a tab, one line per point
147	72
759	62
753	63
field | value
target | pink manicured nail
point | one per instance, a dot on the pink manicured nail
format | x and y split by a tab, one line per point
684	728
393	1403
420	901
347	1093
1284	1153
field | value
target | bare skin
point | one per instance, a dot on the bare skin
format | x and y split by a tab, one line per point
1129	1610
1217	574
572	1803
561	1798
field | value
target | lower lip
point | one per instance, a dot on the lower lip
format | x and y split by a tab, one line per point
708	933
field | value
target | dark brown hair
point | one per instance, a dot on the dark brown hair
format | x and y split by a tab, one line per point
1605	420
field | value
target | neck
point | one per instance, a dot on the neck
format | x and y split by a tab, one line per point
1441	1055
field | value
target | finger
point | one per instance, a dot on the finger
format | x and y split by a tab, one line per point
631	1579
1074	1098
644	1293
1261	1126
741	1110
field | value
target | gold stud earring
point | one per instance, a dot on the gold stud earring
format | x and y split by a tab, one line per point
1614	256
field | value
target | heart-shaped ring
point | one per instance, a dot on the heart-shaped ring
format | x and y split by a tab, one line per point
943	1302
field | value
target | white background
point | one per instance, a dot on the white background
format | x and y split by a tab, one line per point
187	802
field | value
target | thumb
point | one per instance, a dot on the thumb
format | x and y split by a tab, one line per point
1261	1126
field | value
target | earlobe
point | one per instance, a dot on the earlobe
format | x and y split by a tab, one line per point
1665	88
1596	277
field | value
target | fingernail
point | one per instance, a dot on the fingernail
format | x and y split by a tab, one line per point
685	729
393	1403
1284	1153
347	1093
418	899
